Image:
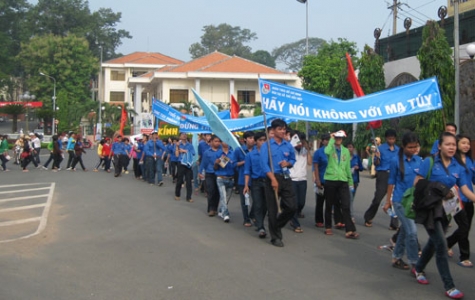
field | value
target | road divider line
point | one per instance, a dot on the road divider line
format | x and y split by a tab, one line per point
27	190
22	207
23	184
23	198
22	221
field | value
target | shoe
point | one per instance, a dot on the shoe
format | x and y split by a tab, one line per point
44	168
454	294
85	170
116	175
277	243
247	224
298	230
319	225
123	171
211	213
126	172
220	214
465	264
73	169
67	169
450	253
177	198
190	200
352	235
340	226
400	264
59	169
160	183
226	219
328	231
95	170
262	234
421	278
368	224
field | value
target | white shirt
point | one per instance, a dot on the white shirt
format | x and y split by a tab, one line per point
299	171
36	142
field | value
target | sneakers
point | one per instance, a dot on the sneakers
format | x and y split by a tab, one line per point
126	172
220	214
454	294
226	219
420	277
177	198
67	169
160	183
44	168
262	233
277	243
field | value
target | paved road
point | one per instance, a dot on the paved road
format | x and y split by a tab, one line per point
119	238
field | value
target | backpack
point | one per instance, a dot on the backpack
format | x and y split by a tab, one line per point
408	197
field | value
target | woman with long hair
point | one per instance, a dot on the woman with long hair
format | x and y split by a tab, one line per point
465	216
402	173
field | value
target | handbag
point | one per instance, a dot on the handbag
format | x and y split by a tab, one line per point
24	154
408	197
7	157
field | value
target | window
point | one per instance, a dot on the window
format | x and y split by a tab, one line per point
118	75
117	97
246	97
178	96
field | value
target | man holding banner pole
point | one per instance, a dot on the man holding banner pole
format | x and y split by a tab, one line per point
278	180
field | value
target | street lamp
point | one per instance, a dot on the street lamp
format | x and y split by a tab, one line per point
54	101
470	50
457	64
99	96
26	96
307	126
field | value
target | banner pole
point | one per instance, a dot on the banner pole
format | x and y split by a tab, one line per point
276	193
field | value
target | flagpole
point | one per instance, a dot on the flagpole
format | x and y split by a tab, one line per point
270	162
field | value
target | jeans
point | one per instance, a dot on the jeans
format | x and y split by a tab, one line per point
460	235
337	195
244	207
174	168
287	205
212	190
225	188
78	159
149	168
300	189
50	159
4	161
196	180
187	173
259	205
36	155
158	171
107	163
407	237
320	199
438	245
71	156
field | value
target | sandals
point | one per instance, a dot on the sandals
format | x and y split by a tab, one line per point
465	264
400	264
319	225
340	226
328	232
298	230
352	235
247	224
368	224
450	253
454	294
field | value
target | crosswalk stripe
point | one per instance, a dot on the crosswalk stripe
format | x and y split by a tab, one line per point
27	190
22	207
23	198
22	221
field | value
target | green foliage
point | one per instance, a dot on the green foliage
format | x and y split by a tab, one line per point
263	57
435	58
223	38
13	110
292	54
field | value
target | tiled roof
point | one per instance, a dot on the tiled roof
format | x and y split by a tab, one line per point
221	63
146	58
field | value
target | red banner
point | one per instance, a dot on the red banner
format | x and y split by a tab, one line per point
26	104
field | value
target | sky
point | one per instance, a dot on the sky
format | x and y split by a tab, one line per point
170	27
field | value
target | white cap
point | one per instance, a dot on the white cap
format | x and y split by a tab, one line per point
340	133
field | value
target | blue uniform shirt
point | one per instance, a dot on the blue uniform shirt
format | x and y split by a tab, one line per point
281	152
202	147
208	159
320	158
118	148
186	158
356	161
411	168
450	178
171	150
386	156
228	170
241	156
470	176
252	166
156	148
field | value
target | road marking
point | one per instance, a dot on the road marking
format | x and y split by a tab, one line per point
26	190
43	219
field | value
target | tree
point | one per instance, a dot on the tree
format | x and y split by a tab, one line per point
371	78
65	17
292	54
263	57
223	38
435	58
13	110
68	60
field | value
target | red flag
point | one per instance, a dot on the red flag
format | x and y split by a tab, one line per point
234	108
355	85
123	120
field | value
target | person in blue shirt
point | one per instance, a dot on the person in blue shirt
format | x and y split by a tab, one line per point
278	181
203	145
356	166
240	155
449	127
174	160
207	165
402	174
127	148
255	178
185	152
154	150
320	162
70	149
448	171
382	157
118	152
465	216
224	169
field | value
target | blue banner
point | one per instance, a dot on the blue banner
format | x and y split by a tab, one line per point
293	103
191	124
216	124
168	114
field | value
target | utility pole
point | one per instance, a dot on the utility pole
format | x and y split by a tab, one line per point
395	8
